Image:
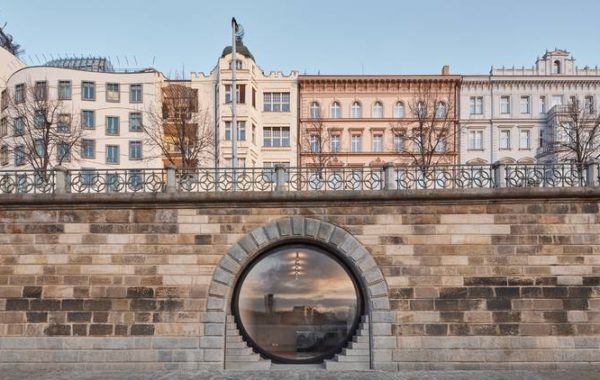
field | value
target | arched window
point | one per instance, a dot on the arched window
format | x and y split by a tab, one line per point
420	109
440	110
377	110
556	67
399	110
336	110
356	110
315	110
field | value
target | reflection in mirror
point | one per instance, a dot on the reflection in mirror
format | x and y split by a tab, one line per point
298	304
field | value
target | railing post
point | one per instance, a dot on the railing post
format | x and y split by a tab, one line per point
500	174
60	179
388	176
171	181
591	172
279	177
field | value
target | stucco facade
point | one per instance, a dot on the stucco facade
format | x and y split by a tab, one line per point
266	111
506	115
364	120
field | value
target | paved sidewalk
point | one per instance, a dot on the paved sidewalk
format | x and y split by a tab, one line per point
83	374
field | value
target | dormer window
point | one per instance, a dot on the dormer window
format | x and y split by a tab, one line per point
556	67
238	64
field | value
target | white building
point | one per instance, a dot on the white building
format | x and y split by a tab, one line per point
506	115
108	105
267	114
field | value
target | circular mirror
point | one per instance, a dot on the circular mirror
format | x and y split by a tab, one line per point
297	304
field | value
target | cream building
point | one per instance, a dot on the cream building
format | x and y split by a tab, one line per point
266	110
109	107
507	115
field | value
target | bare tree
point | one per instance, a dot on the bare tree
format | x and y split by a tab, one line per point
431	130
577	133
45	131
180	129
315	146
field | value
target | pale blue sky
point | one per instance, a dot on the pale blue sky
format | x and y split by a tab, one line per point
333	37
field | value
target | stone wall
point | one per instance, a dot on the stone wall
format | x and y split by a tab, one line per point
470	279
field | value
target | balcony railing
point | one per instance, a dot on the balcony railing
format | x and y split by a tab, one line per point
280	179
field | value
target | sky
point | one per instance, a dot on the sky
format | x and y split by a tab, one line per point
311	36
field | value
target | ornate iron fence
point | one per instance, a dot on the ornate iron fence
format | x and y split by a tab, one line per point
116	181
443	177
549	175
27	182
282	178
334	179
226	179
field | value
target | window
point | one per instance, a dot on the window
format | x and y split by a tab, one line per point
88	148
356	143
314	321
39	147
336	143
39	119
63	152
4	155
556	67
276	136
135	122
240	93
336	111
557	100
589	104
377	110
542	104
254	97
505	105
315	110
112	154
254	135
41	90
441	145
440	110
241	129
315	144
112	125
276	102
64	90
88	119
399	110
135	150
399	143
87	176
524	139
377	143
112	92
3	127
20	93
476	105
475	140
238	64
19	126
356	110
135	93
505	139
573	101
420	110
541	138
88	90
19	155
525	105
4	100
64	123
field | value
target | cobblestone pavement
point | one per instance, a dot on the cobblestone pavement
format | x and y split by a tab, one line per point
81	374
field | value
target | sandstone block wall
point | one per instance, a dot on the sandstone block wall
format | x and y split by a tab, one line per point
507	279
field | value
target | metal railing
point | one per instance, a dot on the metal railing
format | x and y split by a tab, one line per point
280	178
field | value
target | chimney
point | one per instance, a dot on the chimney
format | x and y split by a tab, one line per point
446	70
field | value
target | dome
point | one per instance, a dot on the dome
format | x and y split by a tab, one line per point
240	49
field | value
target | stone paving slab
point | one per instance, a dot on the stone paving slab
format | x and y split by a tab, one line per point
82	374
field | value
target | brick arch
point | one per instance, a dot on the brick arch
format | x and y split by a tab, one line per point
340	241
